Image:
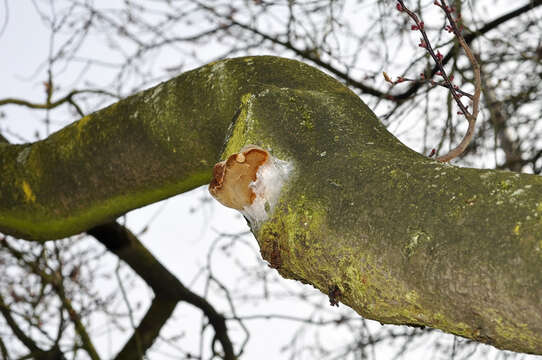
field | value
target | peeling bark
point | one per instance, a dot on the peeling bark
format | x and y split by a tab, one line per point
402	238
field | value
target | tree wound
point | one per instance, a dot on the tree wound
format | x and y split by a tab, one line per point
232	178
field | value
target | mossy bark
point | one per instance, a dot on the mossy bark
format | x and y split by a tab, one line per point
405	239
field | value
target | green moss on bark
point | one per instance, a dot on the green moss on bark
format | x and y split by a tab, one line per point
150	146
405	239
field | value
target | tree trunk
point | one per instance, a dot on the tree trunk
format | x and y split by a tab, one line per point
398	237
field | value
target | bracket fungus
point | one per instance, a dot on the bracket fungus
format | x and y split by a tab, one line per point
249	181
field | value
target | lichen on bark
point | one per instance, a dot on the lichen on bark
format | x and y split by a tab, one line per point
404	239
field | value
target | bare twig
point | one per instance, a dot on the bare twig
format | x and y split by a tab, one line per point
52	104
443	84
122	242
56	282
136	347
456	93
494	24
3	350
17	331
471	117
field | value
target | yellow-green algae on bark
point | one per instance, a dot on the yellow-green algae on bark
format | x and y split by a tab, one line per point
155	144
405	239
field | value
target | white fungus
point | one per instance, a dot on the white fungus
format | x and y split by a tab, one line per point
270	179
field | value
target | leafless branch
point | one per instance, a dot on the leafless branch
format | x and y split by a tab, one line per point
53	104
165	285
437	58
471	116
56	282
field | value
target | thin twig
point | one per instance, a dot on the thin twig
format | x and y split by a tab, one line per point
471	117
130	310
426	43
19	333
456	93
122	242
56	281
52	104
401	79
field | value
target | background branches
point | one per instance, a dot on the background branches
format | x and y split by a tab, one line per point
437	57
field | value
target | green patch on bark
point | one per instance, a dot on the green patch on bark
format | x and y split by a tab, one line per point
237	136
46	227
417	238
357	200
29	195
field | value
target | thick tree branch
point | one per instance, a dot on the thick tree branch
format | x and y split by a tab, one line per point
41	183
116	236
400	238
168	289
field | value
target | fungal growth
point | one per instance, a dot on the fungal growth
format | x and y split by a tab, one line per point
249	181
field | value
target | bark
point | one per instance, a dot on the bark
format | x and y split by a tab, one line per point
398	237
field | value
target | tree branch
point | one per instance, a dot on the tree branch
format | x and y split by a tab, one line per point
145	334
56	282
471	116
41	182
470	37
498	120
400	97
3	350
404	239
52	104
17	331
166	286
308	55
35	352
454	90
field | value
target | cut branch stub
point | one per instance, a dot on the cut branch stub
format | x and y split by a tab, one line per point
232	177
250	181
